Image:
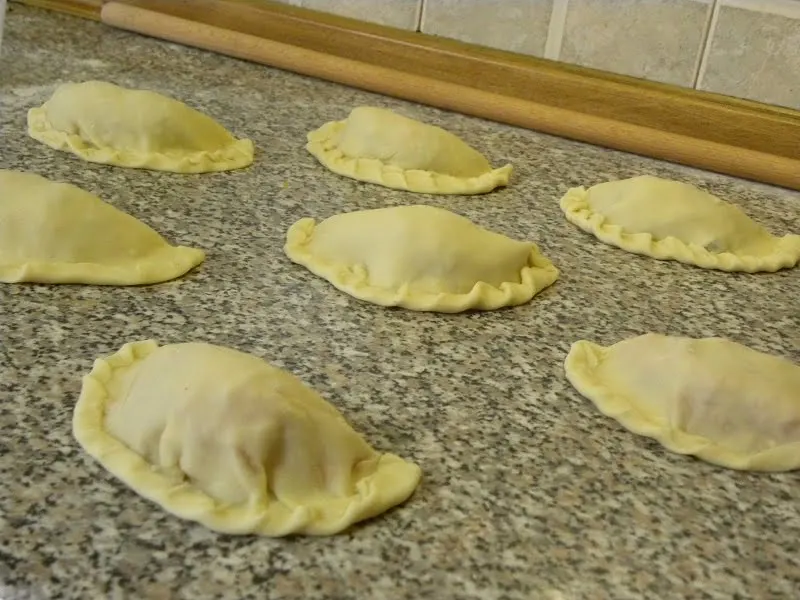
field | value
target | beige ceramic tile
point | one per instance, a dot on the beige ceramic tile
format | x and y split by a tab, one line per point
660	40
394	13
516	25
754	54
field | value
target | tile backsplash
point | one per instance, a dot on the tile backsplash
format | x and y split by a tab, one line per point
403	14
743	48
754	51
660	40
494	23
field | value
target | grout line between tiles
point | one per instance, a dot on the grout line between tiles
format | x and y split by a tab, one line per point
555	32
420	9
708	38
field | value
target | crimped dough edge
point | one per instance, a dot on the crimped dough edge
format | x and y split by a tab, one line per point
581	371
237	155
164	264
322	146
537	275
577	210
177	496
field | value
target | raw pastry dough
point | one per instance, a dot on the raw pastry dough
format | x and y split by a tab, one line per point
421	258
713	398
105	123
671	220
220	437
380	146
58	233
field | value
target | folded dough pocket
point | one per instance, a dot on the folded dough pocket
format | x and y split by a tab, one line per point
421	258
105	123
713	398
222	438
54	232
670	220
379	146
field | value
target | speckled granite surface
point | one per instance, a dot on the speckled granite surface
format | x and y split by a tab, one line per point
528	492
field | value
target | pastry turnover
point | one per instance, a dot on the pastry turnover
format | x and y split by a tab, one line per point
713	398
54	232
221	437
105	123
421	258
670	220
379	146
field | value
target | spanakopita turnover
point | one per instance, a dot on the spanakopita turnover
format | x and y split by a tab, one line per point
105	123
710	397
377	145
223	438
53	232
671	220
421	258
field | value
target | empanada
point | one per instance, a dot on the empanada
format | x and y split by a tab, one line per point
421	258
670	220
713	398
105	123
379	146
54	232
223	438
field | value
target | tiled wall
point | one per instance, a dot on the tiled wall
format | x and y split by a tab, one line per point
744	48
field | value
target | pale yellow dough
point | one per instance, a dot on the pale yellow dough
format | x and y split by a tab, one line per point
670	220
223	438
53	232
105	123
421	258
713	398
379	146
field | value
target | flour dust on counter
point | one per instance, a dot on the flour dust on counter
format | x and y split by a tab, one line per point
105	123
54	232
528	491
421	258
672	220
379	146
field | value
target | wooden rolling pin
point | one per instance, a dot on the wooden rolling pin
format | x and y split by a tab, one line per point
692	151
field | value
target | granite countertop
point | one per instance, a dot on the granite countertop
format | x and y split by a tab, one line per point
528	492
